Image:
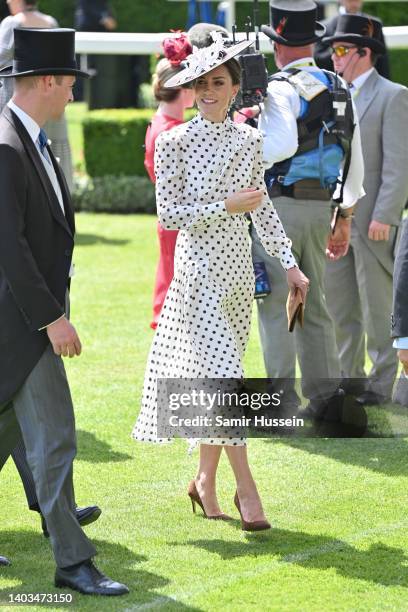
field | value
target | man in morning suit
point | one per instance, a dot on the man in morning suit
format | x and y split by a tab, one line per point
359	286
36	244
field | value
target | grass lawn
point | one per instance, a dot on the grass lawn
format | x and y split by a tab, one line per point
338	508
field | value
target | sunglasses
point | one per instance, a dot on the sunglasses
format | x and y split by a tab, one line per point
341	51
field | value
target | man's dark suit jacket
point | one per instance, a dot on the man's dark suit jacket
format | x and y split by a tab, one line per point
89	13
399	319
36	246
323	51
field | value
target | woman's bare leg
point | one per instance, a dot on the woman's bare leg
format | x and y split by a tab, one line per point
251	506
206	477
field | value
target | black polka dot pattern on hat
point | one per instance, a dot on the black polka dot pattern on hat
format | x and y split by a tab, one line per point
204	325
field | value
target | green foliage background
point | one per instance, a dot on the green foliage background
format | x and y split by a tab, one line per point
161	15
113	141
390	13
143	16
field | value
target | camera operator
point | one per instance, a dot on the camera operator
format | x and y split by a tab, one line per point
312	152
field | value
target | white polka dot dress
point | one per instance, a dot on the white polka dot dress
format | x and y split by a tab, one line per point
204	324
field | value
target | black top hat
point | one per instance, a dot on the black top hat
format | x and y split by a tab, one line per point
41	51
293	23
360	30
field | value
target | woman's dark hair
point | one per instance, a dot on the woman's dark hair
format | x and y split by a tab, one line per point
234	70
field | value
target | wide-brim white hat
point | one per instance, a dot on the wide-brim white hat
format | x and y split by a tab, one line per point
206	59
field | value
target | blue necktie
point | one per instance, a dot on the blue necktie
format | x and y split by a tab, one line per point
43	141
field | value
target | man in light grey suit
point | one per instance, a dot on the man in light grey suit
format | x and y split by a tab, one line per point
359	286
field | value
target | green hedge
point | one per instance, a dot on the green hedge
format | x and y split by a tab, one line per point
399	62
113	141
115	194
390	13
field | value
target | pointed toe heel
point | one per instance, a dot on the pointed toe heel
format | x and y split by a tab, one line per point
196	499
250	525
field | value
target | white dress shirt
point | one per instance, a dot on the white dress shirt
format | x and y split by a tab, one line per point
278	125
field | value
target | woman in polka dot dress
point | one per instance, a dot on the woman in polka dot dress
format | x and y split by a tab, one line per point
209	172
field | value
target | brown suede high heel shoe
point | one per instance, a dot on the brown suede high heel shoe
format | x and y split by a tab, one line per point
196	499
250	525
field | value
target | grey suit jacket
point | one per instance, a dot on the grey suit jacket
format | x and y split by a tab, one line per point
399	319
382	108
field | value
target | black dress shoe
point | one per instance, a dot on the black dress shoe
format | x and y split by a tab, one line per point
85	516
4	561
329	410
370	398
87	579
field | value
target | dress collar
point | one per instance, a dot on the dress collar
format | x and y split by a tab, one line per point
211	127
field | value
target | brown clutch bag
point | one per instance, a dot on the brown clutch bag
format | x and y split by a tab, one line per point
295	309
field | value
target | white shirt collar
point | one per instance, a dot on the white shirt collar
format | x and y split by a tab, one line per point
304	62
360	80
30	125
342	11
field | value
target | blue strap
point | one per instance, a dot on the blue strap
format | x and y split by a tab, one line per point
321	145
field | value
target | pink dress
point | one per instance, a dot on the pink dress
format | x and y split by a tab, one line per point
167	238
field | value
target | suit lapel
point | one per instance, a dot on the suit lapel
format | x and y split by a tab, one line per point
366	94
34	155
